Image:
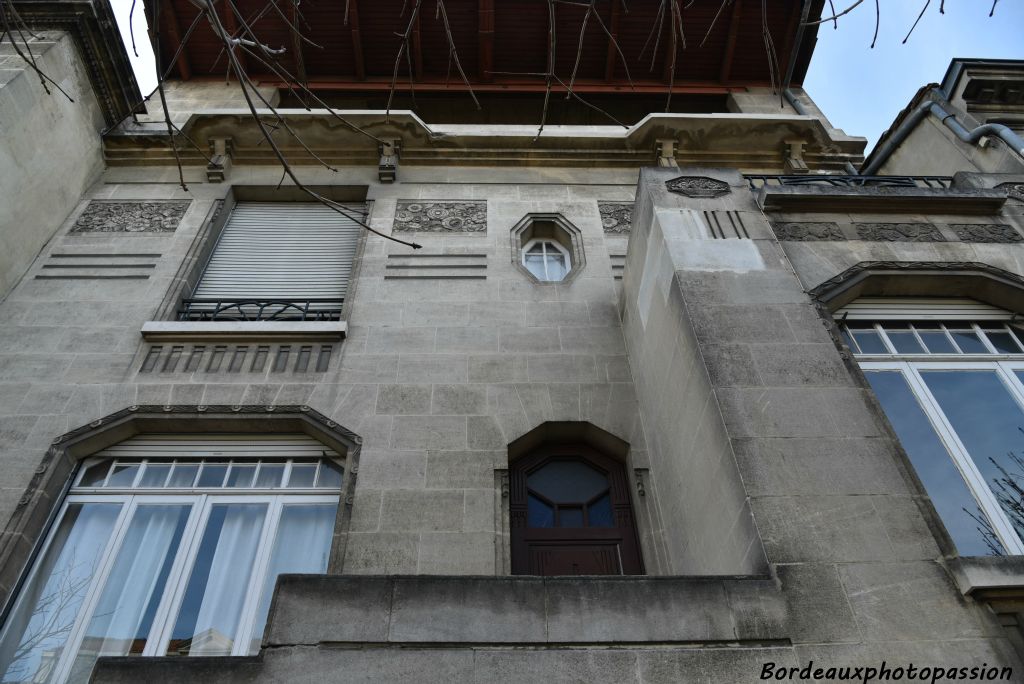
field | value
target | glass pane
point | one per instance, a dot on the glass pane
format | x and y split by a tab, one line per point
154	475
123	475
599	513
302	545
123	618
212	475
207	621
570	517
1003	342
988	422
183	475
969	342
905	342
937	342
557	267
535	264
538	513
303	475
269	475
36	631
330	476
567	482
941	478
870	342
95	474
241	475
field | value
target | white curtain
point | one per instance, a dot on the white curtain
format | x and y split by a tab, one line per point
227	581
302	546
37	630
135	584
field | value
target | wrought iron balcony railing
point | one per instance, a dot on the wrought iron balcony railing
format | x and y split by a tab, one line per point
205	309
937	182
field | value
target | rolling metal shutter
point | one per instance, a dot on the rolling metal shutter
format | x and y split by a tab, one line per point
288	251
223	446
920	309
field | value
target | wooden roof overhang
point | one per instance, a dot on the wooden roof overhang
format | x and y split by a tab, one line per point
502	45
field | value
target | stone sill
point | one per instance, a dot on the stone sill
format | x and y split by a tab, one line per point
990	578
248	331
880	199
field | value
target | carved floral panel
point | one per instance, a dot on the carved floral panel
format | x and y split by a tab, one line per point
1013	190
158	216
808	231
899	232
440	217
697	186
986	232
616	217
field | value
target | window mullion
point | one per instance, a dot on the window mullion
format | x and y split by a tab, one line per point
167	612
260	566
92	596
983	494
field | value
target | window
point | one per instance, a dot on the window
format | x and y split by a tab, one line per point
571	514
952	389
547	260
277	261
171	545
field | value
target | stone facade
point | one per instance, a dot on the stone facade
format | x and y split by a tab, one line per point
779	519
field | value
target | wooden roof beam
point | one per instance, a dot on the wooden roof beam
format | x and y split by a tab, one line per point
485	60
730	41
170	17
358	61
613	29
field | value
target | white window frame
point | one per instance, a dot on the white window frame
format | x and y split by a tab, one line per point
545	243
910	365
201	502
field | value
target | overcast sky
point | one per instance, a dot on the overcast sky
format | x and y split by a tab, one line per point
860	89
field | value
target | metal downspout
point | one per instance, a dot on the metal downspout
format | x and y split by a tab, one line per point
1014	141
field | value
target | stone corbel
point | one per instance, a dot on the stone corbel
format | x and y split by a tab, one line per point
387	169
219	166
667	152
794	157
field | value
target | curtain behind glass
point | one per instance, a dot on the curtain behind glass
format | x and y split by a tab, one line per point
302	546
39	627
122	620
207	622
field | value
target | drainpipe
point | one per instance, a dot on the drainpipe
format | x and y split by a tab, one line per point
1014	141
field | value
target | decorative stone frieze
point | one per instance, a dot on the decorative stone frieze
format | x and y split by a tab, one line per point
986	232
441	217
808	232
899	232
157	216
697	186
1013	190
616	217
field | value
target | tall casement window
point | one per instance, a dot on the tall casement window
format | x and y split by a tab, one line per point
571	514
277	261
170	545
950	376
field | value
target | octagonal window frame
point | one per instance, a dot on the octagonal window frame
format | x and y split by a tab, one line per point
555	230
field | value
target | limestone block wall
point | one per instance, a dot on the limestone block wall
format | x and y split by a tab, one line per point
50	150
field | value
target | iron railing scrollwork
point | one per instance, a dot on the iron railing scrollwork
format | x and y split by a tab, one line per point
211	309
757	182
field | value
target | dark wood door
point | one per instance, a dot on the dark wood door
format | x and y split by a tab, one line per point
571	514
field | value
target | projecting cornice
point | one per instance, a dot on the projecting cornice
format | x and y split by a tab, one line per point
747	141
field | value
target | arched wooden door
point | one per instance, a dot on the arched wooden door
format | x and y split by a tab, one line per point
571	514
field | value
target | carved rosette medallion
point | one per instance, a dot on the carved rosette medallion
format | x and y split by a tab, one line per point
616	217
102	216
1013	190
808	231
986	232
697	186
441	217
899	232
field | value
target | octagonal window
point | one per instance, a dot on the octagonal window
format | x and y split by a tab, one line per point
546	260
547	248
